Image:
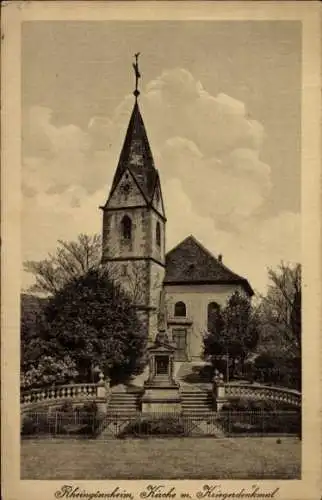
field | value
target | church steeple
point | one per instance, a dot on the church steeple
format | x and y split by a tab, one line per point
134	222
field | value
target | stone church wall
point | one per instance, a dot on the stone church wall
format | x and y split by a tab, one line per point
114	246
157	252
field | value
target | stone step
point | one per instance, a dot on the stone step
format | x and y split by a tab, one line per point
124	396
123	403
126	400
196	403
118	412
195	400
120	398
193	408
194	397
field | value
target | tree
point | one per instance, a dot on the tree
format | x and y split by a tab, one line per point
233	332
93	321
275	368
280	310
49	370
279	349
72	259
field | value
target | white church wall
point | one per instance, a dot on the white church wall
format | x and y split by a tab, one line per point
196	299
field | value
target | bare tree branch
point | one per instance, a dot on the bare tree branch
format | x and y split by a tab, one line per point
280	309
72	259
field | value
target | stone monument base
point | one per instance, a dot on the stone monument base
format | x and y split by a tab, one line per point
161	392
161	399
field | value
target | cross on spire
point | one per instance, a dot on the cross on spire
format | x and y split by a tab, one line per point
135	65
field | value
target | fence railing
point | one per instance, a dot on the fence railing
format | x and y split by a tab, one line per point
254	391
114	425
100	392
70	391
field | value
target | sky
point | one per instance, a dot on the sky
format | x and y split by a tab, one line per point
221	102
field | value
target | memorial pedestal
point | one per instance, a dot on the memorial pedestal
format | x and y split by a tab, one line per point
161	393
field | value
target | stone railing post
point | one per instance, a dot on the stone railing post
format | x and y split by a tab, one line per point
103	389
219	392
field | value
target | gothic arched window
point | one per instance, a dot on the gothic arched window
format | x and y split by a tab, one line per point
126	228
158	234
213	314
180	309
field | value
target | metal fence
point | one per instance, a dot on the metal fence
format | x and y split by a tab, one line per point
114	425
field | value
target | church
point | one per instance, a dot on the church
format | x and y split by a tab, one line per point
192	281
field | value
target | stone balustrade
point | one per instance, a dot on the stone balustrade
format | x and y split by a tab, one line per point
84	391
227	391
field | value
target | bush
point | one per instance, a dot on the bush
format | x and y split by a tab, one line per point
66	407
280	370
36	423
260	416
84	420
89	407
164	426
28	425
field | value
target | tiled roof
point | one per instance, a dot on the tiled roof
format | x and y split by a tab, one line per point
191	263
137	157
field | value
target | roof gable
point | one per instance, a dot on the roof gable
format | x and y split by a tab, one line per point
126	193
191	263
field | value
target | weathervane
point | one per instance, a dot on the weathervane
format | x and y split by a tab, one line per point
136	92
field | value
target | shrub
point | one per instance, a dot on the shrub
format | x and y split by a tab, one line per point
89	407
163	426
36	423
84	420
260	416
66	407
278	370
28	425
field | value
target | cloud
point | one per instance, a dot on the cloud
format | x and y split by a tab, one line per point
227	189
59	157
215	123
248	251
47	218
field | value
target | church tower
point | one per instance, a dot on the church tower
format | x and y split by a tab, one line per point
134	223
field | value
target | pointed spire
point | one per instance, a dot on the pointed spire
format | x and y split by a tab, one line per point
136	153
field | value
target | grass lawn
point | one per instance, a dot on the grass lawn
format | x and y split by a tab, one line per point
172	458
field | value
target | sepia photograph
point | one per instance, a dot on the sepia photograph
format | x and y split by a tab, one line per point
161	250
163	313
